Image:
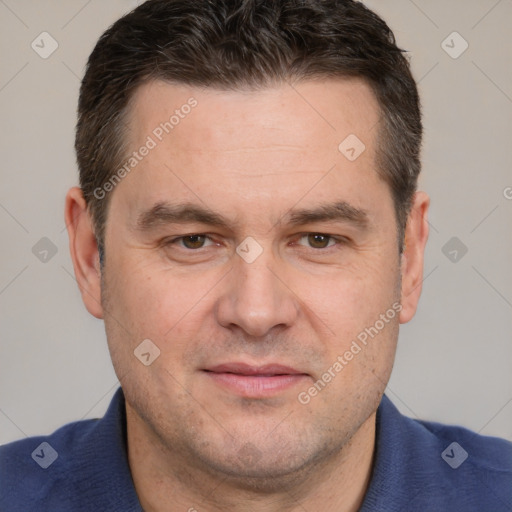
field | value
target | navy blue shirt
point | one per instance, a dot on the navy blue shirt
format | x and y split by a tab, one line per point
419	466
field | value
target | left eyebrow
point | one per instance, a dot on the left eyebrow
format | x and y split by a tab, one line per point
338	211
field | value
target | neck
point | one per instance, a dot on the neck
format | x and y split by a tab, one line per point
167	480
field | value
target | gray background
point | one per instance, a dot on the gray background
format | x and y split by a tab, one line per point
453	362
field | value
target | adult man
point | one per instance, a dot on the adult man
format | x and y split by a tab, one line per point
252	254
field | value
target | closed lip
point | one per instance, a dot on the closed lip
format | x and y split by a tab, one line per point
255	381
266	370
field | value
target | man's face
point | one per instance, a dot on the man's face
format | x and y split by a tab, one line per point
243	335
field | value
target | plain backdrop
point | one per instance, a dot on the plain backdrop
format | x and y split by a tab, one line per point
454	359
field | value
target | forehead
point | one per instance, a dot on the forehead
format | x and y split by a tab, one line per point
269	144
305	112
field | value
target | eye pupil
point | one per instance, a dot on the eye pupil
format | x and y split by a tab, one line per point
193	241
318	241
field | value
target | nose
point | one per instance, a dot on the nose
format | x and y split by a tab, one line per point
257	298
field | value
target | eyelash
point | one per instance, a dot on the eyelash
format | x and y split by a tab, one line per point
175	241
337	241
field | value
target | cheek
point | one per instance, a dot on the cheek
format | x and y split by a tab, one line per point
350	299
164	309
162	305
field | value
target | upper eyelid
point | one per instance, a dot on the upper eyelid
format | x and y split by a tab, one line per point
301	234
329	235
297	235
338	240
180	238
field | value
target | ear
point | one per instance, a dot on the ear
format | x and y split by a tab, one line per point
84	251
416	235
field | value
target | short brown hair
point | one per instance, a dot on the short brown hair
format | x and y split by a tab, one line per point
235	44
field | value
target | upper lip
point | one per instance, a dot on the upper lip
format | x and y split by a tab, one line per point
247	369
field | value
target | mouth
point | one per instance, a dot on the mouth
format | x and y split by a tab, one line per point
255	381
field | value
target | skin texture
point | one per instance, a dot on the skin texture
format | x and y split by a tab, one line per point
253	157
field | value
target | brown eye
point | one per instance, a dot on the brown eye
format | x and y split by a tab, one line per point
193	241
319	241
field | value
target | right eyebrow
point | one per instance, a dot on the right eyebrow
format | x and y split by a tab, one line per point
163	213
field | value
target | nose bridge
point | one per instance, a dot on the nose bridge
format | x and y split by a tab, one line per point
256	299
257	284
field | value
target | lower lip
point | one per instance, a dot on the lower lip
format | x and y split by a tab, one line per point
256	386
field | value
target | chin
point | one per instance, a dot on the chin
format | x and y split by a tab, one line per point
265	465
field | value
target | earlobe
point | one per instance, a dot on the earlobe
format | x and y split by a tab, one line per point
84	251
416	235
